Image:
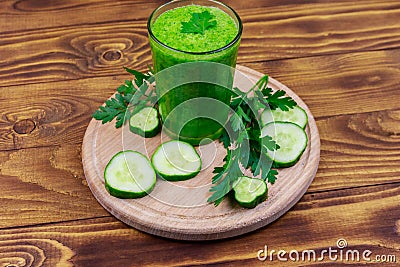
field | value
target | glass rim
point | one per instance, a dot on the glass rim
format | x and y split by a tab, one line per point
230	44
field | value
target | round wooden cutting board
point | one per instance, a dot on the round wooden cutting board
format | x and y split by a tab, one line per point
179	210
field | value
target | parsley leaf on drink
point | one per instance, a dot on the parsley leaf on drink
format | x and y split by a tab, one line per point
199	23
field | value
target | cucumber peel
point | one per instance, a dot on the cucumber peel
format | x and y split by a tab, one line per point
249	192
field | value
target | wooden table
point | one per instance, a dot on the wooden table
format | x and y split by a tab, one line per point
59	60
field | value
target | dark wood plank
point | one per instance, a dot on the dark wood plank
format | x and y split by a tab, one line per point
58	113
43	185
73	52
368	218
47	14
358	150
315	29
51	113
88	50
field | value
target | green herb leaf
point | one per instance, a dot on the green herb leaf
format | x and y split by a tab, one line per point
126	88
268	143
236	122
249	147
199	23
242	114
279	100
139	77
225	139
127	96
272	176
231	172
274	100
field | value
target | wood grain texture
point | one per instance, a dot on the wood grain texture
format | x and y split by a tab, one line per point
51	114
77	51
44	185
180	210
46	14
372	153
368	218
60	111
73	52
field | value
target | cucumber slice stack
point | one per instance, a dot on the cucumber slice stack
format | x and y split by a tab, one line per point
176	161
145	122
129	174
292	141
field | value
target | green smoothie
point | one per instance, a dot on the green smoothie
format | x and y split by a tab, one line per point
171	46
167	29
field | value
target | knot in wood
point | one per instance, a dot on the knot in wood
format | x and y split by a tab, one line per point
112	55
25	126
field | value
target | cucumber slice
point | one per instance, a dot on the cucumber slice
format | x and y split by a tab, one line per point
176	161
292	140
129	174
296	115
249	192
145	122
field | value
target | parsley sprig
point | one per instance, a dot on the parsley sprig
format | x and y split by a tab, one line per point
248	148
131	97
199	23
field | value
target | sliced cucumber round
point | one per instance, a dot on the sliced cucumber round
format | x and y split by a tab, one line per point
296	115
129	174
145	122
249	192
176	161
292	141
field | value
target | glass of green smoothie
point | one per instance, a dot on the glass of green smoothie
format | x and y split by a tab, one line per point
188	31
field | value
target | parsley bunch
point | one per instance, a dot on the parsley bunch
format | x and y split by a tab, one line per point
248	148
131	97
